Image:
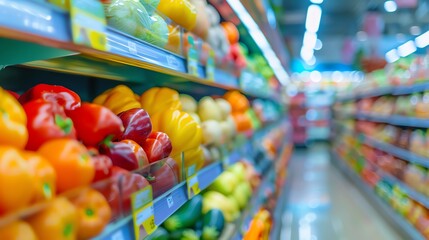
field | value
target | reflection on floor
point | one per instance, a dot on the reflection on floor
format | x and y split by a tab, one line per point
323	205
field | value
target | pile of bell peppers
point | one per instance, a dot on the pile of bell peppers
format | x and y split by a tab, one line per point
81	161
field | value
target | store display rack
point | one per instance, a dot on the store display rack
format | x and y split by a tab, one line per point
41	33
404	187
389	90
396	151
404	227
394	120
167	204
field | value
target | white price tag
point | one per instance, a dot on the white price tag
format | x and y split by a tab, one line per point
132	47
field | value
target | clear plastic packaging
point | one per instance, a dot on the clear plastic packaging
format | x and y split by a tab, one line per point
141	20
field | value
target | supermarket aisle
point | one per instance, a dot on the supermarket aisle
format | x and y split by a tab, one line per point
323	205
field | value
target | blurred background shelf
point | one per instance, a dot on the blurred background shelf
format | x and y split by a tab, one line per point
403	226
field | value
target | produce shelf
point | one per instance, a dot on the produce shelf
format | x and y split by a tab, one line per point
404	227
41	32
396	151
164	206
395	120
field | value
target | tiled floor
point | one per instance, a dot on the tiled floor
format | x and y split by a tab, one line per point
323	205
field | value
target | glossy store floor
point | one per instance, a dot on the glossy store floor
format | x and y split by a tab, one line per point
324	205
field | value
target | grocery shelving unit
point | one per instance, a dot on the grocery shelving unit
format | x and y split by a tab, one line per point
387	90
394	120
35	37
45	31
396	151
404	227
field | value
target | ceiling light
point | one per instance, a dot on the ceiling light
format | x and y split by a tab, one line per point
415	30
361	36
407	48
309	40
316	76
390	6
422	40
312	22
319	45
337	76
311	62
306	53
260	40
392	56
316	1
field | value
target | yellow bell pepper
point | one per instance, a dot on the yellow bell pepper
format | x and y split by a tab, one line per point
184	132
193	160
13	121
181	12
160	99
118	99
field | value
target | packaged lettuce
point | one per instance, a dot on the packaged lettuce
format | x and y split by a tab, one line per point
159	27
150	5
128	16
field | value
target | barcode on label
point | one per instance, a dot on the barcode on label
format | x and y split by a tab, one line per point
170	201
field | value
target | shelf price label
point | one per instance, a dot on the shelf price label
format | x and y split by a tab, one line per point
210	66
143	213
193	186
88	23
192	57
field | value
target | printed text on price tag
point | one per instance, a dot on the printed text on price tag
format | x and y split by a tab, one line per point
143	213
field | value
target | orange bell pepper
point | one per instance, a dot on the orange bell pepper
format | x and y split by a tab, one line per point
238	101
45	176
16	180
93	212
184	132
56	222
160	99
242	121
13	123
118	99
17	230
71	161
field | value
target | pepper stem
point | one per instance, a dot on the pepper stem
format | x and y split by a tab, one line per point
66	124
107	141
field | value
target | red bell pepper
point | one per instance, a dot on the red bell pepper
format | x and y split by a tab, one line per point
157	146
137	125
126	154
102	164
95	123
124	184
63	96
163	176
46	121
